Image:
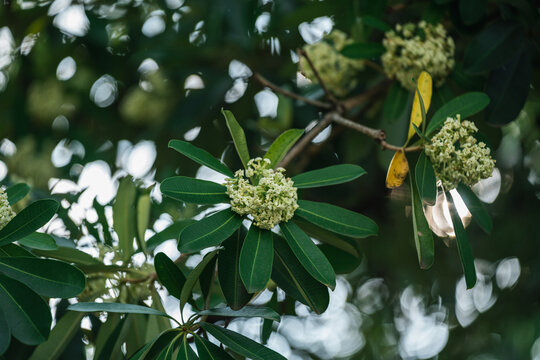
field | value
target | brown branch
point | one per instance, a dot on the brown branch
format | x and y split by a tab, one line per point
306	140
302	52
268	84
377	134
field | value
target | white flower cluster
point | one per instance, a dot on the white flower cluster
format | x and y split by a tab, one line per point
457	157
337	71
272	201
411	49
6	212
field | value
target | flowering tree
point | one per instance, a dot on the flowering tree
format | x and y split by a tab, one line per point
394	110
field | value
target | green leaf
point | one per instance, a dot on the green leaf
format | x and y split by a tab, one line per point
169	274
291	276
61	335
185	352
39	241
170	232
395	103
156	346
14	250
71	255
5	333
106	343
246	311
50	278
493	47
206	281
124	216
28	316
136	338
195	191
282	145
115	308
363	50
472	11
209	351
144	207
466	105
241	344
331	175
476	208
229	273
102	219
17	192
201	156
238	136
341	242
508	88
425	179
423	238
465	254
309	255
375	22
336	219
193	277
210	231
256	259
342	261
28	220
419	133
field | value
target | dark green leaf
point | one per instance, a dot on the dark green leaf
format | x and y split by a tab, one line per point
282	145
206	281
102	219
47	277
156	346
395	103
493	47
363	50
246	311
267	326
309	255
170	232
17	192
194	190
341	242
241	344
210	231
238	136
14	250
342	261
193	277
291	276
466	105
5	333
185	352
107	340
28	316
472	11
425	179
229	273
39	241
476	208
62	333
115	308
419	133
71	255
201	156
423	238
142	216
465	254
124	216
28	220
331	175
169	274
209	351
508	88
256	259
337	219
375	22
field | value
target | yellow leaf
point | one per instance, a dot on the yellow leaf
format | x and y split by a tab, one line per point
425	88
397	171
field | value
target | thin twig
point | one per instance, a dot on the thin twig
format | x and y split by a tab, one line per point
377	134
267	83
302	52
306	140
374	66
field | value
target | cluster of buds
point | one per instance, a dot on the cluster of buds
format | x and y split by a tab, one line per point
6	212
336	71
411	49
271	201
457	156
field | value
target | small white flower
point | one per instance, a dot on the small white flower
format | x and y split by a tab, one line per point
6	212
272	201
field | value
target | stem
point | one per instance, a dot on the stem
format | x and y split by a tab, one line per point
268	84
302	52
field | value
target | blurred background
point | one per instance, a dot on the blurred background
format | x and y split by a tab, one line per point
93	90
